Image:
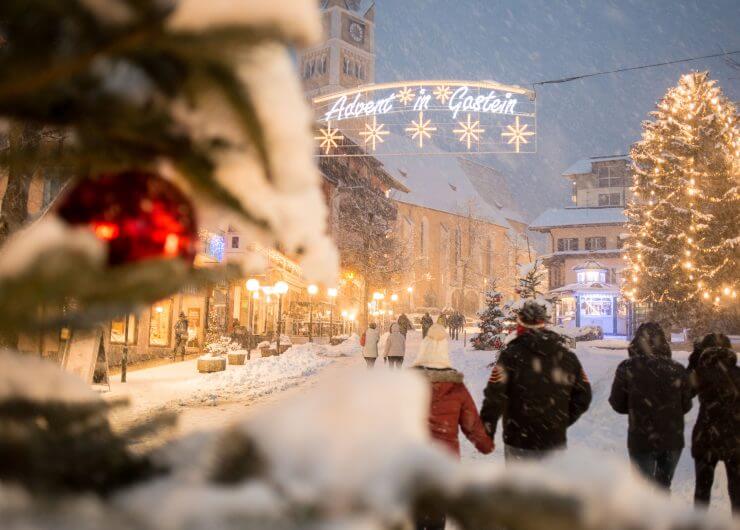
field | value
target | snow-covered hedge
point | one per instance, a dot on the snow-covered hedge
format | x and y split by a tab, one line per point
582	333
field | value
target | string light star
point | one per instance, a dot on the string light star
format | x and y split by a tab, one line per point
421	129
469	131
374	133
328	138
406	95
517	134
442	93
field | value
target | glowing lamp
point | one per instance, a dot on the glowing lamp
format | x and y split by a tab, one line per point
253	285
280	287
312	289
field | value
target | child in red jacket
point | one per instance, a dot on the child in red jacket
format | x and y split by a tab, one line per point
451	407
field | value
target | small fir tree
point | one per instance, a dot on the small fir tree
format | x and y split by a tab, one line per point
530	283
492	320
684	214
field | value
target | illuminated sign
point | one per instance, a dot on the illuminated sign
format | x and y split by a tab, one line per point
434	116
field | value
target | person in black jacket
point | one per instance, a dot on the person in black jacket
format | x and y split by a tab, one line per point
715	376
655	391
538	386
426	323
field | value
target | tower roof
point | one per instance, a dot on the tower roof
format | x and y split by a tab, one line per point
361	7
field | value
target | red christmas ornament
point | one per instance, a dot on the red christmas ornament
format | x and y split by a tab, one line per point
139	214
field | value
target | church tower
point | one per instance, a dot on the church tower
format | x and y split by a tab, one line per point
346	58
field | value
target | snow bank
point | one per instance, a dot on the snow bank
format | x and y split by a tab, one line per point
348	348
255	378
33	379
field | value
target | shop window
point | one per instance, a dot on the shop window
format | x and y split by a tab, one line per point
592	275
160	323
595	243
610	199
596	306
117	330
567	243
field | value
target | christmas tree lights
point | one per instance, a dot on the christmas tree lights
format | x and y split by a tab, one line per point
684	214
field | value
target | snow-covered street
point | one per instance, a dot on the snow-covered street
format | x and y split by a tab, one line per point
213	401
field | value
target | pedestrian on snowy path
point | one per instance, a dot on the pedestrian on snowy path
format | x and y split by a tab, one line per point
426	323
370	344
404	323
395	346
655	391
538	386
715	377
451	408
181	336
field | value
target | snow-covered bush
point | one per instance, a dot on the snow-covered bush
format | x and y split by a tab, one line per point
583	333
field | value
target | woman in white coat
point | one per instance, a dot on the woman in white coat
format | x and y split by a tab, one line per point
395	346
370	345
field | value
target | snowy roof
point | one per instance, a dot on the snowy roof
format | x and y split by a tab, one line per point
589	264
358	6
561	217
493	187
439	183
583	166
587	287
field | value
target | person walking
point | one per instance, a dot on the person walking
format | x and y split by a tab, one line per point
181	336
715	377
404	323
654	391
451	409
426	323
395	346
537	386
369	341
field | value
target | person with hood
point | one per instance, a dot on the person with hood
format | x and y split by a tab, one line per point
370	344
537	386
654	391
181	336
395	346
426	323
451	409
404	323
715	377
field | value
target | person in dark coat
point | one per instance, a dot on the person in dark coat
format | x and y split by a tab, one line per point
715	377
655	392
451	409
538	386
426	323
404	323
181	336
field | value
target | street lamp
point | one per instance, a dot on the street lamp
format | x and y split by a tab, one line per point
344	314
312	290
410	290
280	288
253	287
332	294
352	318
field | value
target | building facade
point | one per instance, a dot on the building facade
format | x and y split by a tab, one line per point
585	262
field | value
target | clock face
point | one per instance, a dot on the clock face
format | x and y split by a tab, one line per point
356	31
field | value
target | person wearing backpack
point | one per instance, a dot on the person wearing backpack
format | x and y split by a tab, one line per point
369	341
715	378
451	409
654	391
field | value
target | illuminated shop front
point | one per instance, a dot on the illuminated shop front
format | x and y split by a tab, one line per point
591	301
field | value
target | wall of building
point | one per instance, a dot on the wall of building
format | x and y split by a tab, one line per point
434	277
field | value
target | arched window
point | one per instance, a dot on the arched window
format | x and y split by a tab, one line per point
424	237
488	257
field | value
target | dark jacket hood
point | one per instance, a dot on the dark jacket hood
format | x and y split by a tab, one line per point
437	375
642	346
540	341
714	356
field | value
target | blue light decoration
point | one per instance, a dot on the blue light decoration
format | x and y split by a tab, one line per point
216	247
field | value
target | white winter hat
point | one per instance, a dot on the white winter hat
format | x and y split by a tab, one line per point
434	352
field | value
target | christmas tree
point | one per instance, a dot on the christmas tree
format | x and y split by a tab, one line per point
684	214
491	323
530	283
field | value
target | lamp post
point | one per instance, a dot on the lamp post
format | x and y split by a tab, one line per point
253	287
344	315
280	288
352	318
377	297
332	294
410	290
312	290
